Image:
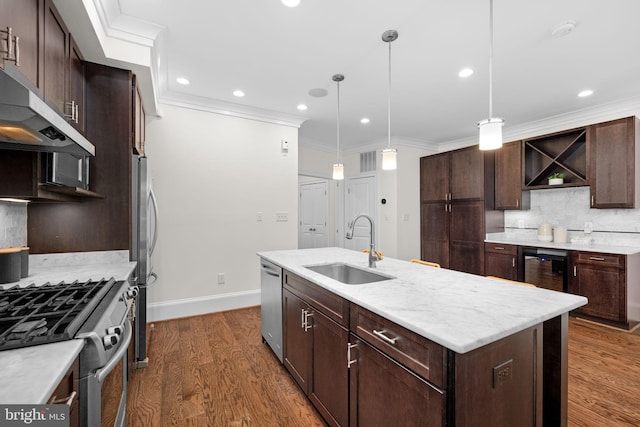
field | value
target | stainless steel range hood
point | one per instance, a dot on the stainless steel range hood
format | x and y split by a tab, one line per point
28	123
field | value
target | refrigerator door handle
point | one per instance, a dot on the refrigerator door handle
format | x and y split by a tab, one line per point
152	197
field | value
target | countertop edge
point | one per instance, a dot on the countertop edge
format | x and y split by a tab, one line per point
619	250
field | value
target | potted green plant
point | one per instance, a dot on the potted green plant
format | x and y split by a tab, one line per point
556	178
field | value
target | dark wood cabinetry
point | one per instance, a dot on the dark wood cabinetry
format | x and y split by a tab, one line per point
67	393
602	279
502	261
55	58
24	18
315	346
76	99
614	181
508	183
457	197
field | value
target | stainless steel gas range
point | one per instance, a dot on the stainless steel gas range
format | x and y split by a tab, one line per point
99	312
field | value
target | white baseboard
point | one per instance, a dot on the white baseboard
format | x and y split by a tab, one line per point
202	305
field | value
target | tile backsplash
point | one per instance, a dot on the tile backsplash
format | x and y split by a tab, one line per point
13	224
569	208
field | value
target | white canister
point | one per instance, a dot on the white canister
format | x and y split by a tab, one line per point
560	235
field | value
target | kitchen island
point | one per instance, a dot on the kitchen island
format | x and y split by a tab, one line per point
460	315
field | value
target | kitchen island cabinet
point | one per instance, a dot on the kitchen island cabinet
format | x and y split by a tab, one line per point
461	347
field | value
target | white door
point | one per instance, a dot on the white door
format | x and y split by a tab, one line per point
314	209
360	198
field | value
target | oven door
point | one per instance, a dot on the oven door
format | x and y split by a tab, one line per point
106	389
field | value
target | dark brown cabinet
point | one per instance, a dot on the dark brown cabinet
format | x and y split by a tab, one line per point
502	261
67	393
457	197
613	178
315	346
508	183
55	58
76	98
602	279
23	19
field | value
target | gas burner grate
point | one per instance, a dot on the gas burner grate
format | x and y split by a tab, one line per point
49	313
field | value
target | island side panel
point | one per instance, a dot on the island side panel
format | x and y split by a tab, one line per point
555	367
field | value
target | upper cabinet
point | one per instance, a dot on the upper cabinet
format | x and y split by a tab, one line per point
559	153
20	46
77	88
56	46
509	193
613	156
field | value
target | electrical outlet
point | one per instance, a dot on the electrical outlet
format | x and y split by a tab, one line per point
220	278
502	372
588	227
282	216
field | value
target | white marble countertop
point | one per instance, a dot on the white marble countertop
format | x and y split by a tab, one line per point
457	310
29	375
608	249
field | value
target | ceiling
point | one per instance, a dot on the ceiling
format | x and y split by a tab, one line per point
277	54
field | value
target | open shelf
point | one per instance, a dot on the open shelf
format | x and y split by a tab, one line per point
564	152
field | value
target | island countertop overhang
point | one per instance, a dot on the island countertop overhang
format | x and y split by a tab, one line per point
457	310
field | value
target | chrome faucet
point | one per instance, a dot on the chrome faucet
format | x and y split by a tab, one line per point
373	255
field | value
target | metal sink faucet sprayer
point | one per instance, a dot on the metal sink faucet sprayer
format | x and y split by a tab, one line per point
373	255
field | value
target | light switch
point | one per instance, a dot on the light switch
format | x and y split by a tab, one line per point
282	216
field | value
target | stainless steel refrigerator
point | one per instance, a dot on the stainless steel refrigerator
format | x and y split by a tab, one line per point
144	234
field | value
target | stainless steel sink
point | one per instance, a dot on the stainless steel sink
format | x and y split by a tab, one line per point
348	274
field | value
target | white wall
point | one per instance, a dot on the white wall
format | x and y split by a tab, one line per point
212	175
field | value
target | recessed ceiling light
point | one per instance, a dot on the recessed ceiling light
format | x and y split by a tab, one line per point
364	120
465	72
585	93
182	81
238	93
291	3
302	107
563	29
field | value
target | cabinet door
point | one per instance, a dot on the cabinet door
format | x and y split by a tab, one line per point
434	178
597	277
329	388
384	393
297	339
56	44
612	161
467	257
508	182
501	265
434	229
24	17
76	97
64	394
467	222
467	174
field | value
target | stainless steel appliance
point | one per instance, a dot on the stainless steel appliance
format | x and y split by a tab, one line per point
29	123
96	311
271	305
545	268
144	236
66	169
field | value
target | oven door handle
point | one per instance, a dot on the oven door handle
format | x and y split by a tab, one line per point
102	373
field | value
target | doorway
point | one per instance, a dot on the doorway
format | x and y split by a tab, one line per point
360	198
314	212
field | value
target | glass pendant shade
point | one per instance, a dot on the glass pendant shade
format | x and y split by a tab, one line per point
490	133
389	159
338	171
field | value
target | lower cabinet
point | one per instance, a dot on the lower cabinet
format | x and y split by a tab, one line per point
602	279
361	369
501	260
67	393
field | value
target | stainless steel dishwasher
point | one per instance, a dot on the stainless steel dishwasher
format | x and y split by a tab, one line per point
271	305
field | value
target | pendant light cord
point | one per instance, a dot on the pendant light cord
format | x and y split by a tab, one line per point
338	127
389	101
490	59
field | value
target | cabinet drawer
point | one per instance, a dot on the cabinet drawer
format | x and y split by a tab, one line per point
500	248
331	305
417	353
610	260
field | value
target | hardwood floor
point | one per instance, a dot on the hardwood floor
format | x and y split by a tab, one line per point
214	370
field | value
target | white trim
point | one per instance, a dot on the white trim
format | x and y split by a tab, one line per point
202	305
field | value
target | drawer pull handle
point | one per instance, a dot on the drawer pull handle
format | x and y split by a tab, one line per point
498	248
65	400
383	337
596	258
349	360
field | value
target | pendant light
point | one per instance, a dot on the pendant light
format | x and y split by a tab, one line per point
338	168
490	136
389	155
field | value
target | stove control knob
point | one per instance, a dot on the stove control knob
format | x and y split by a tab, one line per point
117	330
132	292
110	340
